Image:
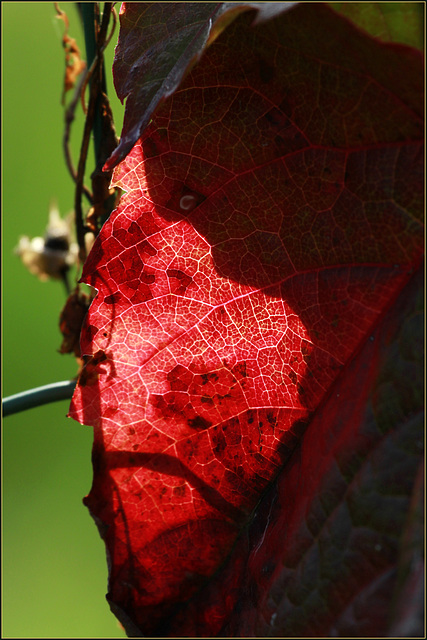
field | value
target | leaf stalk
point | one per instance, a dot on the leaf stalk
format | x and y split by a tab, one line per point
38	396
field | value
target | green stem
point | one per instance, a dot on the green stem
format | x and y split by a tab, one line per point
38	396
87	12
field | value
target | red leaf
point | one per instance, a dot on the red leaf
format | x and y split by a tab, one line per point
254	281
158	44
331	541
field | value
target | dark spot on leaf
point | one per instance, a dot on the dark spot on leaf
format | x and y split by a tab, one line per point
146	248
142	294
276	118
150	148
199	423
178	281
266	71
239	370
179	491
293	377
147	278
134	228
121	235
133	284
272	419
240	471
170	405
112	299
219	445
209	377
110	412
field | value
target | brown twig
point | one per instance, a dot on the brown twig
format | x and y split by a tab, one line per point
95	101
113	27
80	229
74	65
69	118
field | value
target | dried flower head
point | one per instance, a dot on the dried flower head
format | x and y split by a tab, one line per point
53	255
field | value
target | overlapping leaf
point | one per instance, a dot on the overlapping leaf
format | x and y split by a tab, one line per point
158	44
271	226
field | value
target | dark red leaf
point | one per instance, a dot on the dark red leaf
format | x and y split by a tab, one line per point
158	44
71	320
329	559
261	277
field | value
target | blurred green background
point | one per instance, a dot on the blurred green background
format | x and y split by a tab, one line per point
54	571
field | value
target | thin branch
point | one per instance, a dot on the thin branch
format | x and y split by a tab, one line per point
113	28
93	117
103	40
100	52
80	229
69	118
65	389
38	396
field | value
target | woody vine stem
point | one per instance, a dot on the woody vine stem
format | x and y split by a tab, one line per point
98	122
